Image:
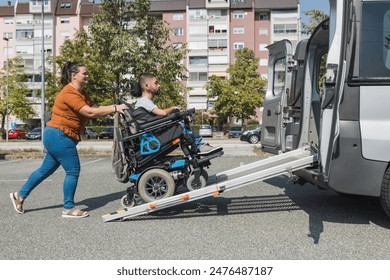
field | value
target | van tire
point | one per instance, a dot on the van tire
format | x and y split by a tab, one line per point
385	192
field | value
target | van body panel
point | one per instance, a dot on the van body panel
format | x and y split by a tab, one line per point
279	80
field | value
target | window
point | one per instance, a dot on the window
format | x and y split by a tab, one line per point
36	2
238	45
177	45
198	60
217	29
178	31
178	16
279	76
238	15
263	17
374	58
217	43
9	35
279	29
263	47
8	20
198	14
66	4
65	20
238	30
291	28
65	34
263	32
198	76
24	34
285	28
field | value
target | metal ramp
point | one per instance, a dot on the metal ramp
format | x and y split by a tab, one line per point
257	171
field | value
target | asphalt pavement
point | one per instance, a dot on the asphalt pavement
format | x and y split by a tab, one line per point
271	220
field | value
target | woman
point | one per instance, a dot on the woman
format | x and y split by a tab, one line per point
71	111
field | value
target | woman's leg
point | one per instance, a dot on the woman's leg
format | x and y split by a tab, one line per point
65	152
49	165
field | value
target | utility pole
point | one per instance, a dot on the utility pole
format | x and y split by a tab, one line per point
6	93
43	71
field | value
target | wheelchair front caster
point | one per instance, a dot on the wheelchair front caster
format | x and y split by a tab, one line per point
127	202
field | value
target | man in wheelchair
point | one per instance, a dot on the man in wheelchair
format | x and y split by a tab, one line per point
149	87
143	144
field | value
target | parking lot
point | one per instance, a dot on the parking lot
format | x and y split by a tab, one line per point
265	220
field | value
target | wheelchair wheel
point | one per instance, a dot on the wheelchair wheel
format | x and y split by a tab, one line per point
191	186
155	184
126	202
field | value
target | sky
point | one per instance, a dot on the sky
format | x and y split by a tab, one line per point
307	5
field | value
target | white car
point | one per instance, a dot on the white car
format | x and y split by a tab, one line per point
205	130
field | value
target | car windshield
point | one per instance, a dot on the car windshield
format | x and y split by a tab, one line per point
108	129
205	127
36	130
236	128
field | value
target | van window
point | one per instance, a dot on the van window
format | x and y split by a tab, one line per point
279	76
375	41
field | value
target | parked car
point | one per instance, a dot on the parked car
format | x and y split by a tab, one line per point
35	134
108	132
252	136
89	134
17	133
235	132
205	130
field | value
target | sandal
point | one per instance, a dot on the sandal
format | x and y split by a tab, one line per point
18	204
74	213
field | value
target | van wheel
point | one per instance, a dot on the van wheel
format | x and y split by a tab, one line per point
156	184
385	192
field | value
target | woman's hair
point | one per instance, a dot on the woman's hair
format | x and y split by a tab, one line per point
68	69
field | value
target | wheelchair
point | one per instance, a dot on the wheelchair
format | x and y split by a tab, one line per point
158	158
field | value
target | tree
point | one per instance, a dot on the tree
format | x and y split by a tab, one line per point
122	42
316	17
18	104
241	94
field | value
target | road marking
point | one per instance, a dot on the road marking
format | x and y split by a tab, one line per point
22	180
9	161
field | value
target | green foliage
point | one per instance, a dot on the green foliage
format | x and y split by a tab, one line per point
124	41
239	95
18	104
316	17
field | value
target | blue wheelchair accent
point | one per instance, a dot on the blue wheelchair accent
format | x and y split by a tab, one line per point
134	177
177	164
147	140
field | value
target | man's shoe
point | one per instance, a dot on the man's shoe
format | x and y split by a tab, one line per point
207	149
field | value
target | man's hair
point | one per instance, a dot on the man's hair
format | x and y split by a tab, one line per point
144	79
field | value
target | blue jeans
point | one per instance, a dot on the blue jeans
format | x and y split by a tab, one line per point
60	151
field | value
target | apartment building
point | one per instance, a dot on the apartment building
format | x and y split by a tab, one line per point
212	30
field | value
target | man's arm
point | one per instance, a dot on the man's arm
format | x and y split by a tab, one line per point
163	112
